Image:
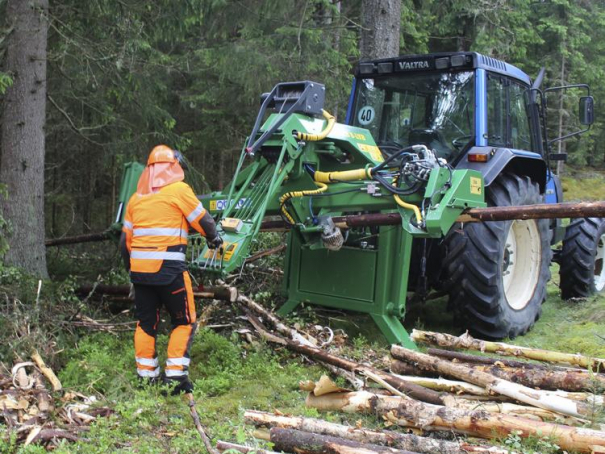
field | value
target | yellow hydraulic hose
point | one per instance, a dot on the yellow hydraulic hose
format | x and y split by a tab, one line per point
409	206
323	134
292	194
345	175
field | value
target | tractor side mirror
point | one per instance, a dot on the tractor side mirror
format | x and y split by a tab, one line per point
586	110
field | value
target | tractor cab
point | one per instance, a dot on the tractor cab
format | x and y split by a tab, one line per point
452	103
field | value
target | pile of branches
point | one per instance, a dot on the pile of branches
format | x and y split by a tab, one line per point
487	398
35	408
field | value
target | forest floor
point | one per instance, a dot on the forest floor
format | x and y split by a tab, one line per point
230	372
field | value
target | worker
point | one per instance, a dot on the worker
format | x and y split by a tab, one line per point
154	242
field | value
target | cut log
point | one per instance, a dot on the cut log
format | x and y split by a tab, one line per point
486	360
541	399
403	368
572	380
223	446
392	439
445	385
412	413
467	342
538	211
291	440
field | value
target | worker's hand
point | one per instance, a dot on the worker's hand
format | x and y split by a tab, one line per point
214	243
131	292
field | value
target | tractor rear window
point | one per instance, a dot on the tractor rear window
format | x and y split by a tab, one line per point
435	109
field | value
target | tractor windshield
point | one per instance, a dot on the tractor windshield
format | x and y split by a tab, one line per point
434	109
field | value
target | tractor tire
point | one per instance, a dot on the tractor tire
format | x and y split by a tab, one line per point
582	270
496	272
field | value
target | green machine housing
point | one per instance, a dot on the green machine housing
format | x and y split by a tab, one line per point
300	165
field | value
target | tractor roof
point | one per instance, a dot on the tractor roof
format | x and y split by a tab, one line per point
438	62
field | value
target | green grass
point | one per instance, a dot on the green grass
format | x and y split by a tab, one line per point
583	186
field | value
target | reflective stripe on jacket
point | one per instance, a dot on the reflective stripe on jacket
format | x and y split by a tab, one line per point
156	227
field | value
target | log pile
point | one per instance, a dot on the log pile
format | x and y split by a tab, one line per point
34	408
445	391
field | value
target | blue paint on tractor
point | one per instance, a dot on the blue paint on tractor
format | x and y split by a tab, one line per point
480	108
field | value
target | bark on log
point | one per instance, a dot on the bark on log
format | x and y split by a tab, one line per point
389	438
541	399
291	440
412	413
223	446
487	360
442	384
467	342
88	238
571	380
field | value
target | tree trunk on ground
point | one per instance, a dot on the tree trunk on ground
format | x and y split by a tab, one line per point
22	146
488	360
573	380
290	440
389	438
412	413
468	342
380	28
540	399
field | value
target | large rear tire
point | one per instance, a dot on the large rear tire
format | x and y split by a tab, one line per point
496	272
582	270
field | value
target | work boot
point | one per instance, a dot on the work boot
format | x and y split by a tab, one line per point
178	385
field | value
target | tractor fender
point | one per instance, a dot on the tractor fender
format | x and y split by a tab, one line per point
502	160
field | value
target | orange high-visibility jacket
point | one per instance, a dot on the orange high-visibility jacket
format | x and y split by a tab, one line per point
156	227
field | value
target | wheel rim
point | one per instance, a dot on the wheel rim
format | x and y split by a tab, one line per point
599	269
521	263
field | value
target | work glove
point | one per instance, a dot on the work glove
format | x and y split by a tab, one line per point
214	243
178	385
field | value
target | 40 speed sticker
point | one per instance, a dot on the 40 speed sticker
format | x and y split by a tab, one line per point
366	115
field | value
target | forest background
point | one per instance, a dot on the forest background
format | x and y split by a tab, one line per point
125	75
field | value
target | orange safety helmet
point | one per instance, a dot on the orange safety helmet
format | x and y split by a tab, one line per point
161	153
163	168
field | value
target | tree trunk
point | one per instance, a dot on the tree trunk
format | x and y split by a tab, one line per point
390	438
291	440
380	28
573	380
540	399
468	342
479	423
22	146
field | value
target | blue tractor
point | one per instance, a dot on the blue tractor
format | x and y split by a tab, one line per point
480	113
